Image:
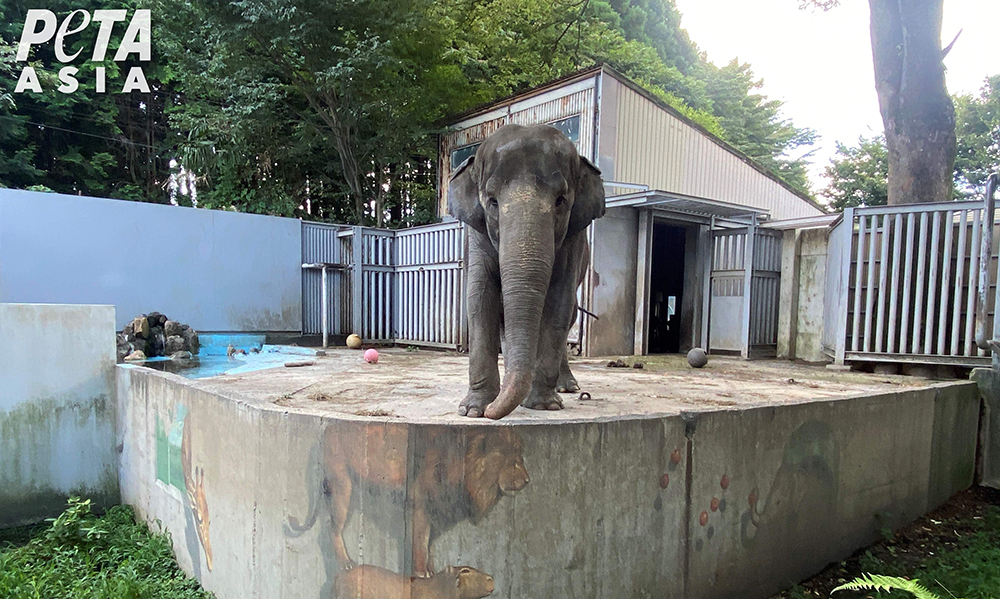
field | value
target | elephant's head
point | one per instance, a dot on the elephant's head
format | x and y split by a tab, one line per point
529	191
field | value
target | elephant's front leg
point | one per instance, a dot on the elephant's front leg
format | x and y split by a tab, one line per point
557	317
484	325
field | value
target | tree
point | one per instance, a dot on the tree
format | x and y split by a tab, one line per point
858	175
917	112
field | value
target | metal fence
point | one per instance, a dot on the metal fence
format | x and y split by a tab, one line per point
404	286
902	284
741	321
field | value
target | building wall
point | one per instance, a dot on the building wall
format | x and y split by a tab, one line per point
614	283
57	406
214	270
573	98
655	148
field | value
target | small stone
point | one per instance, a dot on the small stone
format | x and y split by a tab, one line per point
299	363
136	356
173	344
180	355
172	327
140	327
637	365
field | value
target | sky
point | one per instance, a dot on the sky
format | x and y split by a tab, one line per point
820	63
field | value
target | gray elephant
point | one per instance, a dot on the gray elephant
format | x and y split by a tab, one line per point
527	197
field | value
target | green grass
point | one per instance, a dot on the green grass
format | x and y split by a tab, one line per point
80	555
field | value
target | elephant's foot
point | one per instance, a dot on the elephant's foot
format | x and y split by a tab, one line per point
566	383
474	404
542	400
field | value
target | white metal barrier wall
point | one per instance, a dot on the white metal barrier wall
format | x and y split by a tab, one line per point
902	283
404	286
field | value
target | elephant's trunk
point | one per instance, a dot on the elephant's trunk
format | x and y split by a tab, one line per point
527	248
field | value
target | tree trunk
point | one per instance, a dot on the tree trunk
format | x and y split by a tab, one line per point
917	111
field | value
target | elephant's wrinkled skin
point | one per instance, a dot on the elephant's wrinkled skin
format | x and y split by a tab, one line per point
528	198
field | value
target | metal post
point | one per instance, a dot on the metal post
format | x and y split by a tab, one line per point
708	257
845	285
326	323
985	252
357	281
747	284
645	252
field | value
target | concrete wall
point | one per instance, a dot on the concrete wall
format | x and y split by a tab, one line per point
616	245
707	505
803	294
214	270
57	386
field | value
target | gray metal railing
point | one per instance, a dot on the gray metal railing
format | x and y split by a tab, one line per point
907	283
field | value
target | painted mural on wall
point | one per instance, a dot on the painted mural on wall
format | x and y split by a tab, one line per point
174	468
416	487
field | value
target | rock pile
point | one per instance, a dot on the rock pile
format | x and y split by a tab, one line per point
153	334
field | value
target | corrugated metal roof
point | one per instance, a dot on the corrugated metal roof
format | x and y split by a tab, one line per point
688	205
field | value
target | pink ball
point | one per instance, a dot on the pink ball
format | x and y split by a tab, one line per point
371	356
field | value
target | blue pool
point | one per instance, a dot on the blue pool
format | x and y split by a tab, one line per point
213	361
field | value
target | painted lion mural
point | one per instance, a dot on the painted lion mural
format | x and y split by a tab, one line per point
457	473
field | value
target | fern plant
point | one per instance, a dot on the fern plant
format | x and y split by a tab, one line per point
876	582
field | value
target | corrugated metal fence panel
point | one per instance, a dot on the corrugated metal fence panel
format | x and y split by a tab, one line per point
727	282
429	290
411	283
324	243
656	148
913	282
377	278
764	288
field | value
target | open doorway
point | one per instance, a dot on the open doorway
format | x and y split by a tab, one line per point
666	288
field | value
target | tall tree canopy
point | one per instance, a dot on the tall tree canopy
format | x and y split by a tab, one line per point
328	109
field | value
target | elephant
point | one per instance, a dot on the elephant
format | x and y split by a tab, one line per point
527	198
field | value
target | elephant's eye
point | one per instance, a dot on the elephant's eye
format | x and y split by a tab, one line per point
560	200
492	202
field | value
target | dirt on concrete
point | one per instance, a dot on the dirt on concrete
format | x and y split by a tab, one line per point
427	385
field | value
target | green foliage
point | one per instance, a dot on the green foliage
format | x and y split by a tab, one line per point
859	174
107	557
329	109
753	124
875	582
977	127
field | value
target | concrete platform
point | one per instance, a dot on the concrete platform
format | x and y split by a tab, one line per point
344	479
426	387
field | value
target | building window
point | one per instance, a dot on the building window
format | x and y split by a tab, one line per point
458	156
570	127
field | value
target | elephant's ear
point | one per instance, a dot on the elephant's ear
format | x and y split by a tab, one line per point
589	202
463	196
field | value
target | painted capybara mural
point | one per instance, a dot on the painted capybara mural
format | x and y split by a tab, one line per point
437	476
454	582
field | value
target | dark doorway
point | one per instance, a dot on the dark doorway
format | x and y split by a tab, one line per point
666	289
